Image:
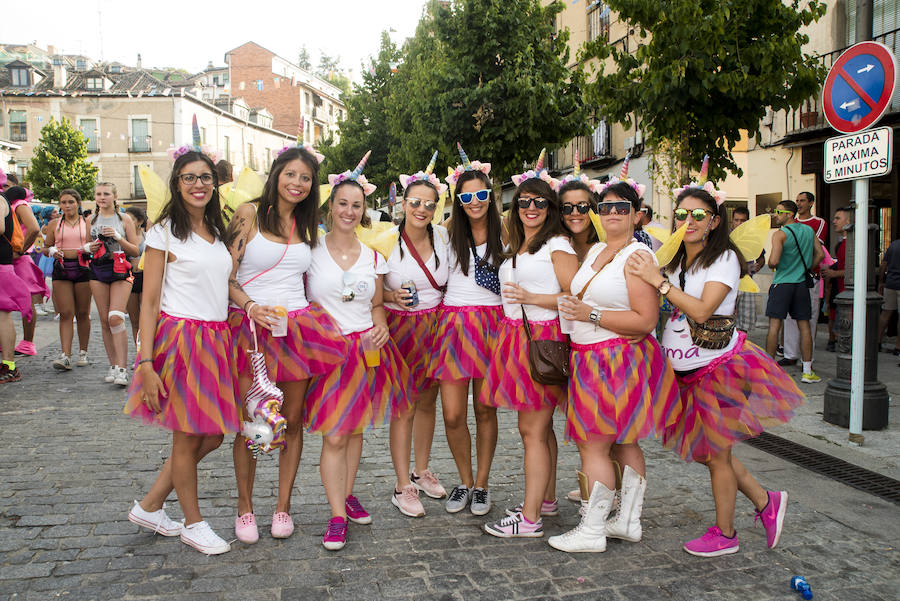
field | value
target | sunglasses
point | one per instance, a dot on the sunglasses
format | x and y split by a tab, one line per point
622	207
468	197
697	214
539	203
568	208
415	203
783	212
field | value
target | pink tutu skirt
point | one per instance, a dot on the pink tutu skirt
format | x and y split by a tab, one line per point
32	275
413	333
313	346
194	361
736	397
508	382
14	295
355	397
464	342
620	389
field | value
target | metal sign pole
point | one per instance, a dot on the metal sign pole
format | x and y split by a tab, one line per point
860	274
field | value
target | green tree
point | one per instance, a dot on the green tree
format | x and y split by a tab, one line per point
60	161
303	60
704	71
491	75
331	71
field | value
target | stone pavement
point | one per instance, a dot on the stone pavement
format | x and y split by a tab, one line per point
73	463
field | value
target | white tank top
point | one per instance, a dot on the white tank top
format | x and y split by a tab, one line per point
280	285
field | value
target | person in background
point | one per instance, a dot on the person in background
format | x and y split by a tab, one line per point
834	275
889	288
18	198
745	305
225	172
133	307
13	295
647	221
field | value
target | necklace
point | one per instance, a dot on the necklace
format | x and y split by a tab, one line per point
344	252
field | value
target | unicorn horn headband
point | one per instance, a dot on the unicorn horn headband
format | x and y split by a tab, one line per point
623	178
576	175
538	173
466	165
354	176
425	176
702	182
304	145
195	146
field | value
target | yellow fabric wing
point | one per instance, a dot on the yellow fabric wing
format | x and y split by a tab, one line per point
660	233
439	210
156	191
248	186
747	284
324	193
595	219
670	246
750	237
382	237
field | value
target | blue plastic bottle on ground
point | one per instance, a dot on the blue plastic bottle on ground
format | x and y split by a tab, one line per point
799	584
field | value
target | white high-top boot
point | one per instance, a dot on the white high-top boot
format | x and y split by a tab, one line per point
626	524
589	536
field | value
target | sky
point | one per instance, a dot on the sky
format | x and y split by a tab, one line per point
189	33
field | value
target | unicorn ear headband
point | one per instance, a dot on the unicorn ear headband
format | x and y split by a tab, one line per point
467	165
593	185
304	145
354	176
623	178
425	176
539	172
702	182
196	146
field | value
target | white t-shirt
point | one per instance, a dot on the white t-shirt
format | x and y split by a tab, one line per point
535	274
462	291
268	278
326	282
607	291
682	353
407	269
196	284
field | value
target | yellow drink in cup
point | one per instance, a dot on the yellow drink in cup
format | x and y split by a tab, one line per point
371	351
279	328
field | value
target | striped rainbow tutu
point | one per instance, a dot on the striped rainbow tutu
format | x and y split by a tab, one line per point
464	341
508	382
620	389
413	333
313	346
355	397
32	275
736	397
195	362
14	296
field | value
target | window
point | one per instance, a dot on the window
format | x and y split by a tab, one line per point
115	69
598	20
18	126
89	129
268	159
140	135
138	184
227	148
94	83
19	77
203	135
80	65
250	157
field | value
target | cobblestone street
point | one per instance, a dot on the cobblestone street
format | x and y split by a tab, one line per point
73	463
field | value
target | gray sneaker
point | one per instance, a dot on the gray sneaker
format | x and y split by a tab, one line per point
481	501
459	498
63	363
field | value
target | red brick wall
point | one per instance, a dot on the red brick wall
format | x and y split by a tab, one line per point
250	63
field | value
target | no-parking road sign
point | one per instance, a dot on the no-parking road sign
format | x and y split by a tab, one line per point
859	87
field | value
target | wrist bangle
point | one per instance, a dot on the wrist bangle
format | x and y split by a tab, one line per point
247	303
145	361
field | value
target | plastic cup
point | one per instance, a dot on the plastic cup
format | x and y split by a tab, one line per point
566	326
371	351
279	328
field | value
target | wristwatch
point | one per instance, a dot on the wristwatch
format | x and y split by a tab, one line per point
595	316
664	287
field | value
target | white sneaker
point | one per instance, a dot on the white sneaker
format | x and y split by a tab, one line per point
63	363
201	537
110	374
82	359
157	521
121	376
39	311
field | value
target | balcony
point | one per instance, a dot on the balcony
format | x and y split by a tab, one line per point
811	114
594	147
139	144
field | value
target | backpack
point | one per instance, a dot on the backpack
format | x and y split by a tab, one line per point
17	238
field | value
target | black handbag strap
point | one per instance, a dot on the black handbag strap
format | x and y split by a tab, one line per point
799	250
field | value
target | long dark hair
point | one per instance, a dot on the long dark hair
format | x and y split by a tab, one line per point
571	186
718	240
461	230
552	225
175	211
430	228
306	212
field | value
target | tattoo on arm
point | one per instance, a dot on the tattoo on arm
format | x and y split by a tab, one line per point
233	283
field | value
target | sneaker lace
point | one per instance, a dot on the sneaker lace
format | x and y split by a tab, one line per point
510	519
354	504
429	477
712	533
458	493
335	529
162	516
479	495
410	494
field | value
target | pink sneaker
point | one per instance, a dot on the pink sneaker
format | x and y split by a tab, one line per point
282	525
407	501
548	508
356	512
515	526
772	516
712	544
336	536
428	483
25	348
245	528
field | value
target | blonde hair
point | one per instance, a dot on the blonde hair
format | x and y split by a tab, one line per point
115	192
109	185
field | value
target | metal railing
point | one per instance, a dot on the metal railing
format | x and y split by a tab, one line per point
811	114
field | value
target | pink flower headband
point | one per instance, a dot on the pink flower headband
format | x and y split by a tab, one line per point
425	176
703	183
174	153
623	177
305	146
538	173
354	176
467	166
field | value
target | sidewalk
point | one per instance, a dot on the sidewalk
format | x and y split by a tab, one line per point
73	463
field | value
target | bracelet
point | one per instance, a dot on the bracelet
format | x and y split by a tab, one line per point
249	307
117	235
145	361
247	302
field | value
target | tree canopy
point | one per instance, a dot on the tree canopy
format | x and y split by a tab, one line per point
60	161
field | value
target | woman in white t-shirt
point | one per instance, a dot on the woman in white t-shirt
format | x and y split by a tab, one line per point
620	391
540	266
272	240
420	257
373	384
467	330
731	389
185	378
